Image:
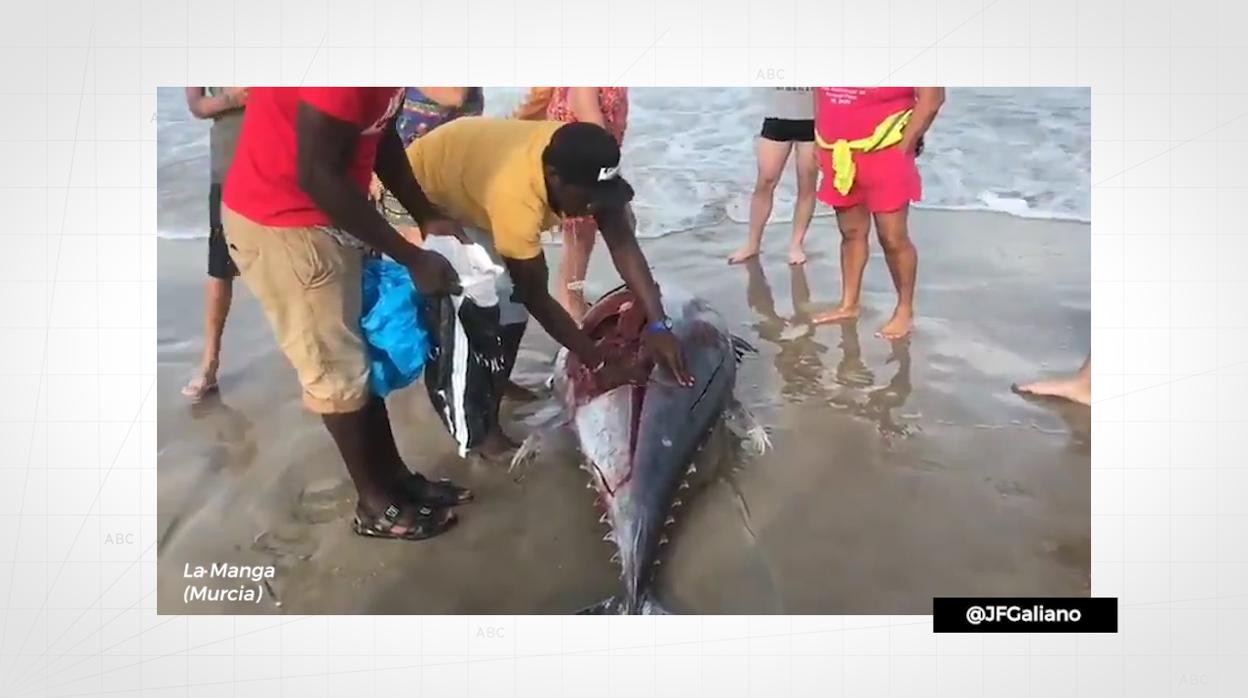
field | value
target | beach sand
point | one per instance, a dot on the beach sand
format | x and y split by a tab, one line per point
899	472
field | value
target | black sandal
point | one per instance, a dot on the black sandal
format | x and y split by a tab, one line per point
426	524
440	493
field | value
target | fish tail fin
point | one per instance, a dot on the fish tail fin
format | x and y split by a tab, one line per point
618	606
610	606
650	607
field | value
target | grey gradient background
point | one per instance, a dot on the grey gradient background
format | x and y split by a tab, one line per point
78	311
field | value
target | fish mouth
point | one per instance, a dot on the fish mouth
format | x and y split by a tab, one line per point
616	323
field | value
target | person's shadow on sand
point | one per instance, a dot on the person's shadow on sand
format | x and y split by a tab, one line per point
233	445
882	402
229	451
801	368
798	358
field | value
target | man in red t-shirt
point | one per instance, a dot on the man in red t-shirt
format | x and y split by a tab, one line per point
297	221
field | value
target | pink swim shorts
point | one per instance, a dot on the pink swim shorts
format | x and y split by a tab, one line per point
886	180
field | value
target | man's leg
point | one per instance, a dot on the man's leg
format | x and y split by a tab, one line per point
903	263
497	443
310	287
513	318
771	158
512	335
855	225
355	434
1076	388
218	293
386	451
385	447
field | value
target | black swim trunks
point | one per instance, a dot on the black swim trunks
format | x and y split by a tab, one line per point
788	130
220	264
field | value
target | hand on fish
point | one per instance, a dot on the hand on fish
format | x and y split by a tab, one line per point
620	365
616	366
613	375
664	349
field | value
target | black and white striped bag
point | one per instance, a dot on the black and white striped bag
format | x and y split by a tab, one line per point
465	372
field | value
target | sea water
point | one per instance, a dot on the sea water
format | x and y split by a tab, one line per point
689	153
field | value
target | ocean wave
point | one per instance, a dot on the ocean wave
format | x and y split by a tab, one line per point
689	153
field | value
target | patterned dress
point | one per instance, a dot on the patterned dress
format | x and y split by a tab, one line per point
420	114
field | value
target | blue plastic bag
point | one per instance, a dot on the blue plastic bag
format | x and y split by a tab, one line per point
398	344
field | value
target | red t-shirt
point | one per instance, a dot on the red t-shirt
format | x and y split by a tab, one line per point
854	112
263	182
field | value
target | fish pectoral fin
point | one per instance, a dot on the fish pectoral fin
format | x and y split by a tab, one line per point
741	347
746	427
527	452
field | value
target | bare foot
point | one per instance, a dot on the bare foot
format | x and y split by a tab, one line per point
517	392
201	384
898	326
1074	389
837	314
744	254
797	256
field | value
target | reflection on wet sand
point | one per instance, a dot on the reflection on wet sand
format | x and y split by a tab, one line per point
801	369
231	452
797	359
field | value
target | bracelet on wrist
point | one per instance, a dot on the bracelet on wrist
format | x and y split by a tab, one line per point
663	324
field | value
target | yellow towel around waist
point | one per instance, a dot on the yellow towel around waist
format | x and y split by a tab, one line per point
886	135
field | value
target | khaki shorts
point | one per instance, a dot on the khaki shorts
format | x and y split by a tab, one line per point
310	288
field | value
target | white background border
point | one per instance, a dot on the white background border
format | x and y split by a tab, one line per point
77	360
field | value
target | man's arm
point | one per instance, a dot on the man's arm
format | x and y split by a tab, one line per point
618	230
203	106
325	148
394	171
531	278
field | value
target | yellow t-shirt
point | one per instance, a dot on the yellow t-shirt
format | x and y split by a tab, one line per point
487	173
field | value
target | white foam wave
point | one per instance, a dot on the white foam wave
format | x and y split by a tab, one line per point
182	234
689	154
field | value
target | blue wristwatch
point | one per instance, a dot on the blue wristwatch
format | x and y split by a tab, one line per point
662	325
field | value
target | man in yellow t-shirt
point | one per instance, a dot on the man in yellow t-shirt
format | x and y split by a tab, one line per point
508	180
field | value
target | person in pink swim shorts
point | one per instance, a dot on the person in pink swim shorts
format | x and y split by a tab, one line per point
867	140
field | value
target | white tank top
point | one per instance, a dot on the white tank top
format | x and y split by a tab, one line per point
790	103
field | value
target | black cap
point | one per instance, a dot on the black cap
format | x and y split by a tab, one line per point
585	155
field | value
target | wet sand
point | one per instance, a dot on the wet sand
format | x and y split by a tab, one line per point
899	471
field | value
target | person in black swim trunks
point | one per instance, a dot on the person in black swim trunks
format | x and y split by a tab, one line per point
224	105
788	126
